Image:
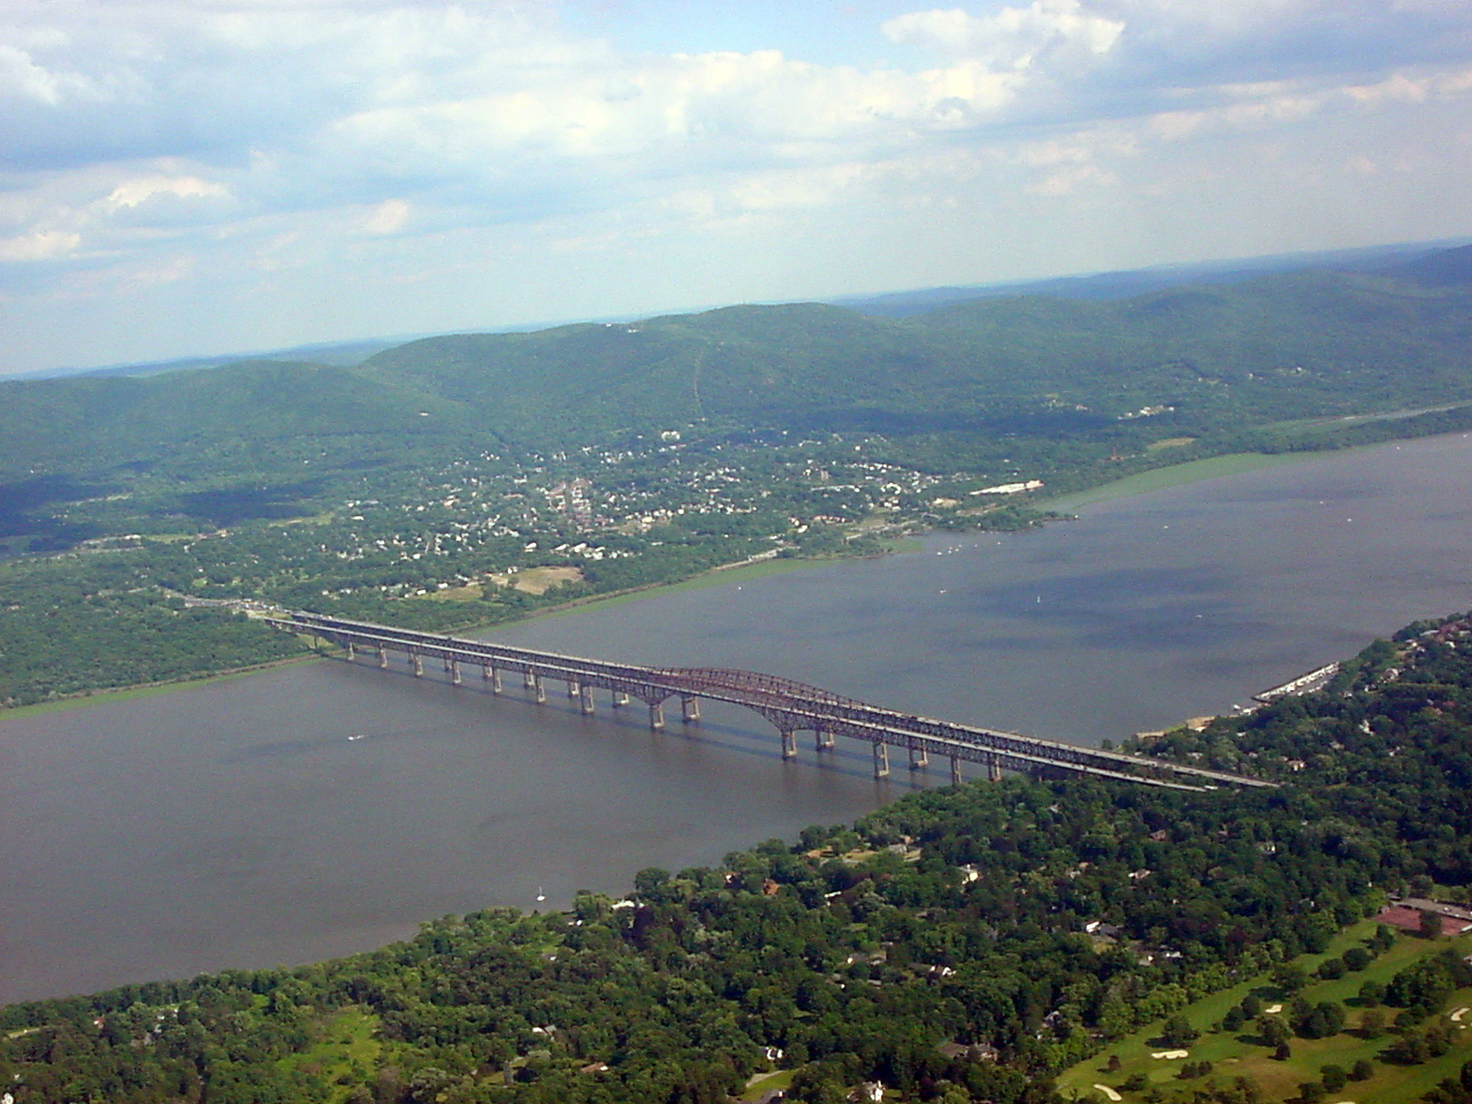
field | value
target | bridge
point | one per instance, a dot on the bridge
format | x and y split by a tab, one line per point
791	707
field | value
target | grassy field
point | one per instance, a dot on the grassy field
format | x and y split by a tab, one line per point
1239	1054
346	1050
782	1079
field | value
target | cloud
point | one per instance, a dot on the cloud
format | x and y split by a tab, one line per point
1060	32
38	245
388	217
225	140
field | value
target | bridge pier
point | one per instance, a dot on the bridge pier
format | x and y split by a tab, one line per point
656	716
587	697
797	706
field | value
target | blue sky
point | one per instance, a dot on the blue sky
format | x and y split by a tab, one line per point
185	177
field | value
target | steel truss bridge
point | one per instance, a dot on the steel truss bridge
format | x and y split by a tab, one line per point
790	706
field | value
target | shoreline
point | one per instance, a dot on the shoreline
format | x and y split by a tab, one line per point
734	572
1155	479
1180	475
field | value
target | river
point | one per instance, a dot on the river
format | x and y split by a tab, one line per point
236	824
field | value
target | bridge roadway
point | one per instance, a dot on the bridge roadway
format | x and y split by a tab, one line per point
791	706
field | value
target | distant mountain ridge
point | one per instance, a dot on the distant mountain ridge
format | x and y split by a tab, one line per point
1194	357
1103	285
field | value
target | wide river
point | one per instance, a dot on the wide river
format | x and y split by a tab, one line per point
237	824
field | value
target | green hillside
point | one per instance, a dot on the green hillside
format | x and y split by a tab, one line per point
1204	359
414	486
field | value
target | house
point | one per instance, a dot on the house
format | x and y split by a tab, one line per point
976	1052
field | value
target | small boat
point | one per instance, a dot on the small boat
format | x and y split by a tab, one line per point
540	895
358	736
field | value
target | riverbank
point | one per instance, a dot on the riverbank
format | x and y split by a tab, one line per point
716	576
1177	475
110	694
1138	484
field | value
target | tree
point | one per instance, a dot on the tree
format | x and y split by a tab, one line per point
1273	1031
1289	978
1178	1032
1431	924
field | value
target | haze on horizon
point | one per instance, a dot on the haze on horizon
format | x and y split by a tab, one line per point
183	177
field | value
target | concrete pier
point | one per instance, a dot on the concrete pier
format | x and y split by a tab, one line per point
789	744
955	771
881	760
656	715
689	709
418	661
587	699
918	758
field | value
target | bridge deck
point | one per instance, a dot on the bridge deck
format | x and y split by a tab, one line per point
789	705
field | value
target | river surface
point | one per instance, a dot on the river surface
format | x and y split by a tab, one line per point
236	824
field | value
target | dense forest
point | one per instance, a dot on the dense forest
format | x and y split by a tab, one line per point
960	945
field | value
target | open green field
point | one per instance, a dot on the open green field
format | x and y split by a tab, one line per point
343	1055
764	1083
1240	1054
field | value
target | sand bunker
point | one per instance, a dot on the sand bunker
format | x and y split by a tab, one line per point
1110	1093
1171	1054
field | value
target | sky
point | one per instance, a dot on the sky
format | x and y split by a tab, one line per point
195	177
